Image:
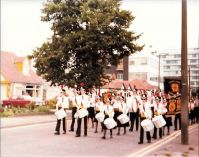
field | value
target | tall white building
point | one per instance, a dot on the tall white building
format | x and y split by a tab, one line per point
145	66
171	64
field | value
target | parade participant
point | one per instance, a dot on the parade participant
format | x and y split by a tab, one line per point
74	108
91	109
196	109
116	105
158	110
83	103
99	107
123	109
177	117
145	112
62	102
191	110
109	113
132	104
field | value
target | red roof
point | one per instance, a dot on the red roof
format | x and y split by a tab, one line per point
11	73
138	84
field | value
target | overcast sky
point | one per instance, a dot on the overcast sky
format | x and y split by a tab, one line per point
158	20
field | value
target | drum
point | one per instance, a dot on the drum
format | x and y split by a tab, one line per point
81	113
147	125
159	121
123	118
100	116
110	123
60	114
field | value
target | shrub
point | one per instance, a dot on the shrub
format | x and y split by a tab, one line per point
7	113
51	103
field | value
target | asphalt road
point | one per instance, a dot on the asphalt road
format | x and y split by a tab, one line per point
39	140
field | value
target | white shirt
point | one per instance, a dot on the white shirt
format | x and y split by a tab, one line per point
99	106
145	109
109	110
65	102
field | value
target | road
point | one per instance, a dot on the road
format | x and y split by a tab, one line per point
39	140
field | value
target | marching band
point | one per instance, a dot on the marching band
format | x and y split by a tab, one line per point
148	110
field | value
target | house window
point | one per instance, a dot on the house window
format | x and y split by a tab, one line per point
120	76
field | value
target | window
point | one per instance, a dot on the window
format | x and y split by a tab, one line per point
153	79
120	65
192	60
139	75
120	76
194	55
177	56
172	61
132	62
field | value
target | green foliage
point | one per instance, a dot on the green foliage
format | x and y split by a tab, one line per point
13	111
88	35
51	103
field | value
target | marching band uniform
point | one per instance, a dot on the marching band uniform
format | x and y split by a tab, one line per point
196	110
62	102
116	104
132	104
82	103
109	112
158	110
74	110
91	109
99	107
191	111
145	112
123	109
177	118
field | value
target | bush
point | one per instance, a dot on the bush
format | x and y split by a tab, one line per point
51	103
8	113
42	109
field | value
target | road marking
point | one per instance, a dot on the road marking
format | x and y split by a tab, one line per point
156	145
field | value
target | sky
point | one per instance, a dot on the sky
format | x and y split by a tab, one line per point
159	21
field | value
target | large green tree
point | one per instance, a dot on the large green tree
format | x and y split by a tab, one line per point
87	36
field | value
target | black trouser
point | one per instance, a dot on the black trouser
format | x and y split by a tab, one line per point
74	110
177	118
155	132
79	121
148	136
58	125
134	118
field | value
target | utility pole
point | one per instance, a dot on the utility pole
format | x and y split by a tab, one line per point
184	78
159	72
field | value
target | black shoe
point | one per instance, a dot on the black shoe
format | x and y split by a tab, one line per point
77	135
56	133
154	137
103	137
64	132
140	142
71	130
85	135
149	141
118	134
111	136
130	130
95	131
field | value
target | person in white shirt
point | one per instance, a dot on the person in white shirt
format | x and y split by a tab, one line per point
123	109
83	103
91	109
109	112
74	108
145	112
99	107
62	103
158	110
132	104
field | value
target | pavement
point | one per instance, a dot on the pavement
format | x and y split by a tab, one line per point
168	146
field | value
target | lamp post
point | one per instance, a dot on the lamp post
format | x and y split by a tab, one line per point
184	87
